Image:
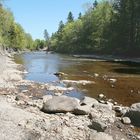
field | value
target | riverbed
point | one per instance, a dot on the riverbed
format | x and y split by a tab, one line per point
125	90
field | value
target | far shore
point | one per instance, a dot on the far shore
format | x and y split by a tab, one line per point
108	58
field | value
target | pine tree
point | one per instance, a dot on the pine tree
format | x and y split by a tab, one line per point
70	17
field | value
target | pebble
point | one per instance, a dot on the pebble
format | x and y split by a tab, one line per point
126	120
115	103
101	96
96	74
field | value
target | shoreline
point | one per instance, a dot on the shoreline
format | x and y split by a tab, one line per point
109	58
24	112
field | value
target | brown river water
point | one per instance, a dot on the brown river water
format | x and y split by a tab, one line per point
126	90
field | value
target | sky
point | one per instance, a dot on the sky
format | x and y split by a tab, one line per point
37	15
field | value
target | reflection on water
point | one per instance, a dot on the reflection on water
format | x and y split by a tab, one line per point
126	90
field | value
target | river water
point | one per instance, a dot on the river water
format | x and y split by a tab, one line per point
126	90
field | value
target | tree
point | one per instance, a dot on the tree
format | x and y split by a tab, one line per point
95	4
70	17
61	26
46	35
80	15
47	39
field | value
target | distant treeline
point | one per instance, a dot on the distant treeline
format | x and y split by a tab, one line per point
107	27
13	36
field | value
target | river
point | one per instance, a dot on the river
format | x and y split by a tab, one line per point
126	90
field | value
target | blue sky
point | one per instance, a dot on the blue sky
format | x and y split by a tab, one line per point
37	15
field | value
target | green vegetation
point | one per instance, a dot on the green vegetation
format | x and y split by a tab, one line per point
13	36
108	27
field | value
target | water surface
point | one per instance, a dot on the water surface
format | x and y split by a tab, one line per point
42	66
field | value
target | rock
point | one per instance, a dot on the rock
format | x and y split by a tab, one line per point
96	75
60	104
22	97
59	74
103	113
115	103
38	103
136	107
46	98
24	91
88	101
82	110
83	82
117	108
126	120
112	80
102	101
101	96
101	136
98	125
134	114
107	106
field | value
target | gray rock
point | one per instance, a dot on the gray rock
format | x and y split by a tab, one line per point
134	114
126	120
46	98
82	110
60	104
136	107
89	101
22	97
101	136
98	125
102	113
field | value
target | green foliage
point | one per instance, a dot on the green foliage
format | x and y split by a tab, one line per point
38	44
70	17
12	35
108	27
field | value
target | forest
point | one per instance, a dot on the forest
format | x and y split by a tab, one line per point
12	35
107	27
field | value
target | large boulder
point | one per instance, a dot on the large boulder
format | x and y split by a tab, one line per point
60	104
134	114
46	98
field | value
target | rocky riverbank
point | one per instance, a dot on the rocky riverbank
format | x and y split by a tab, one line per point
28	111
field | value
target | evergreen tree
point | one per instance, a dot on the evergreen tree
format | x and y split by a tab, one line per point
70	17
80	15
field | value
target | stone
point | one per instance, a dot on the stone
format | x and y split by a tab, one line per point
59	74
126	120
102	101
103	113
96	75
21	96
82	110
134	114
101	136
112	80
98	125
101	96
89	101
60	104
46	98
117	108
